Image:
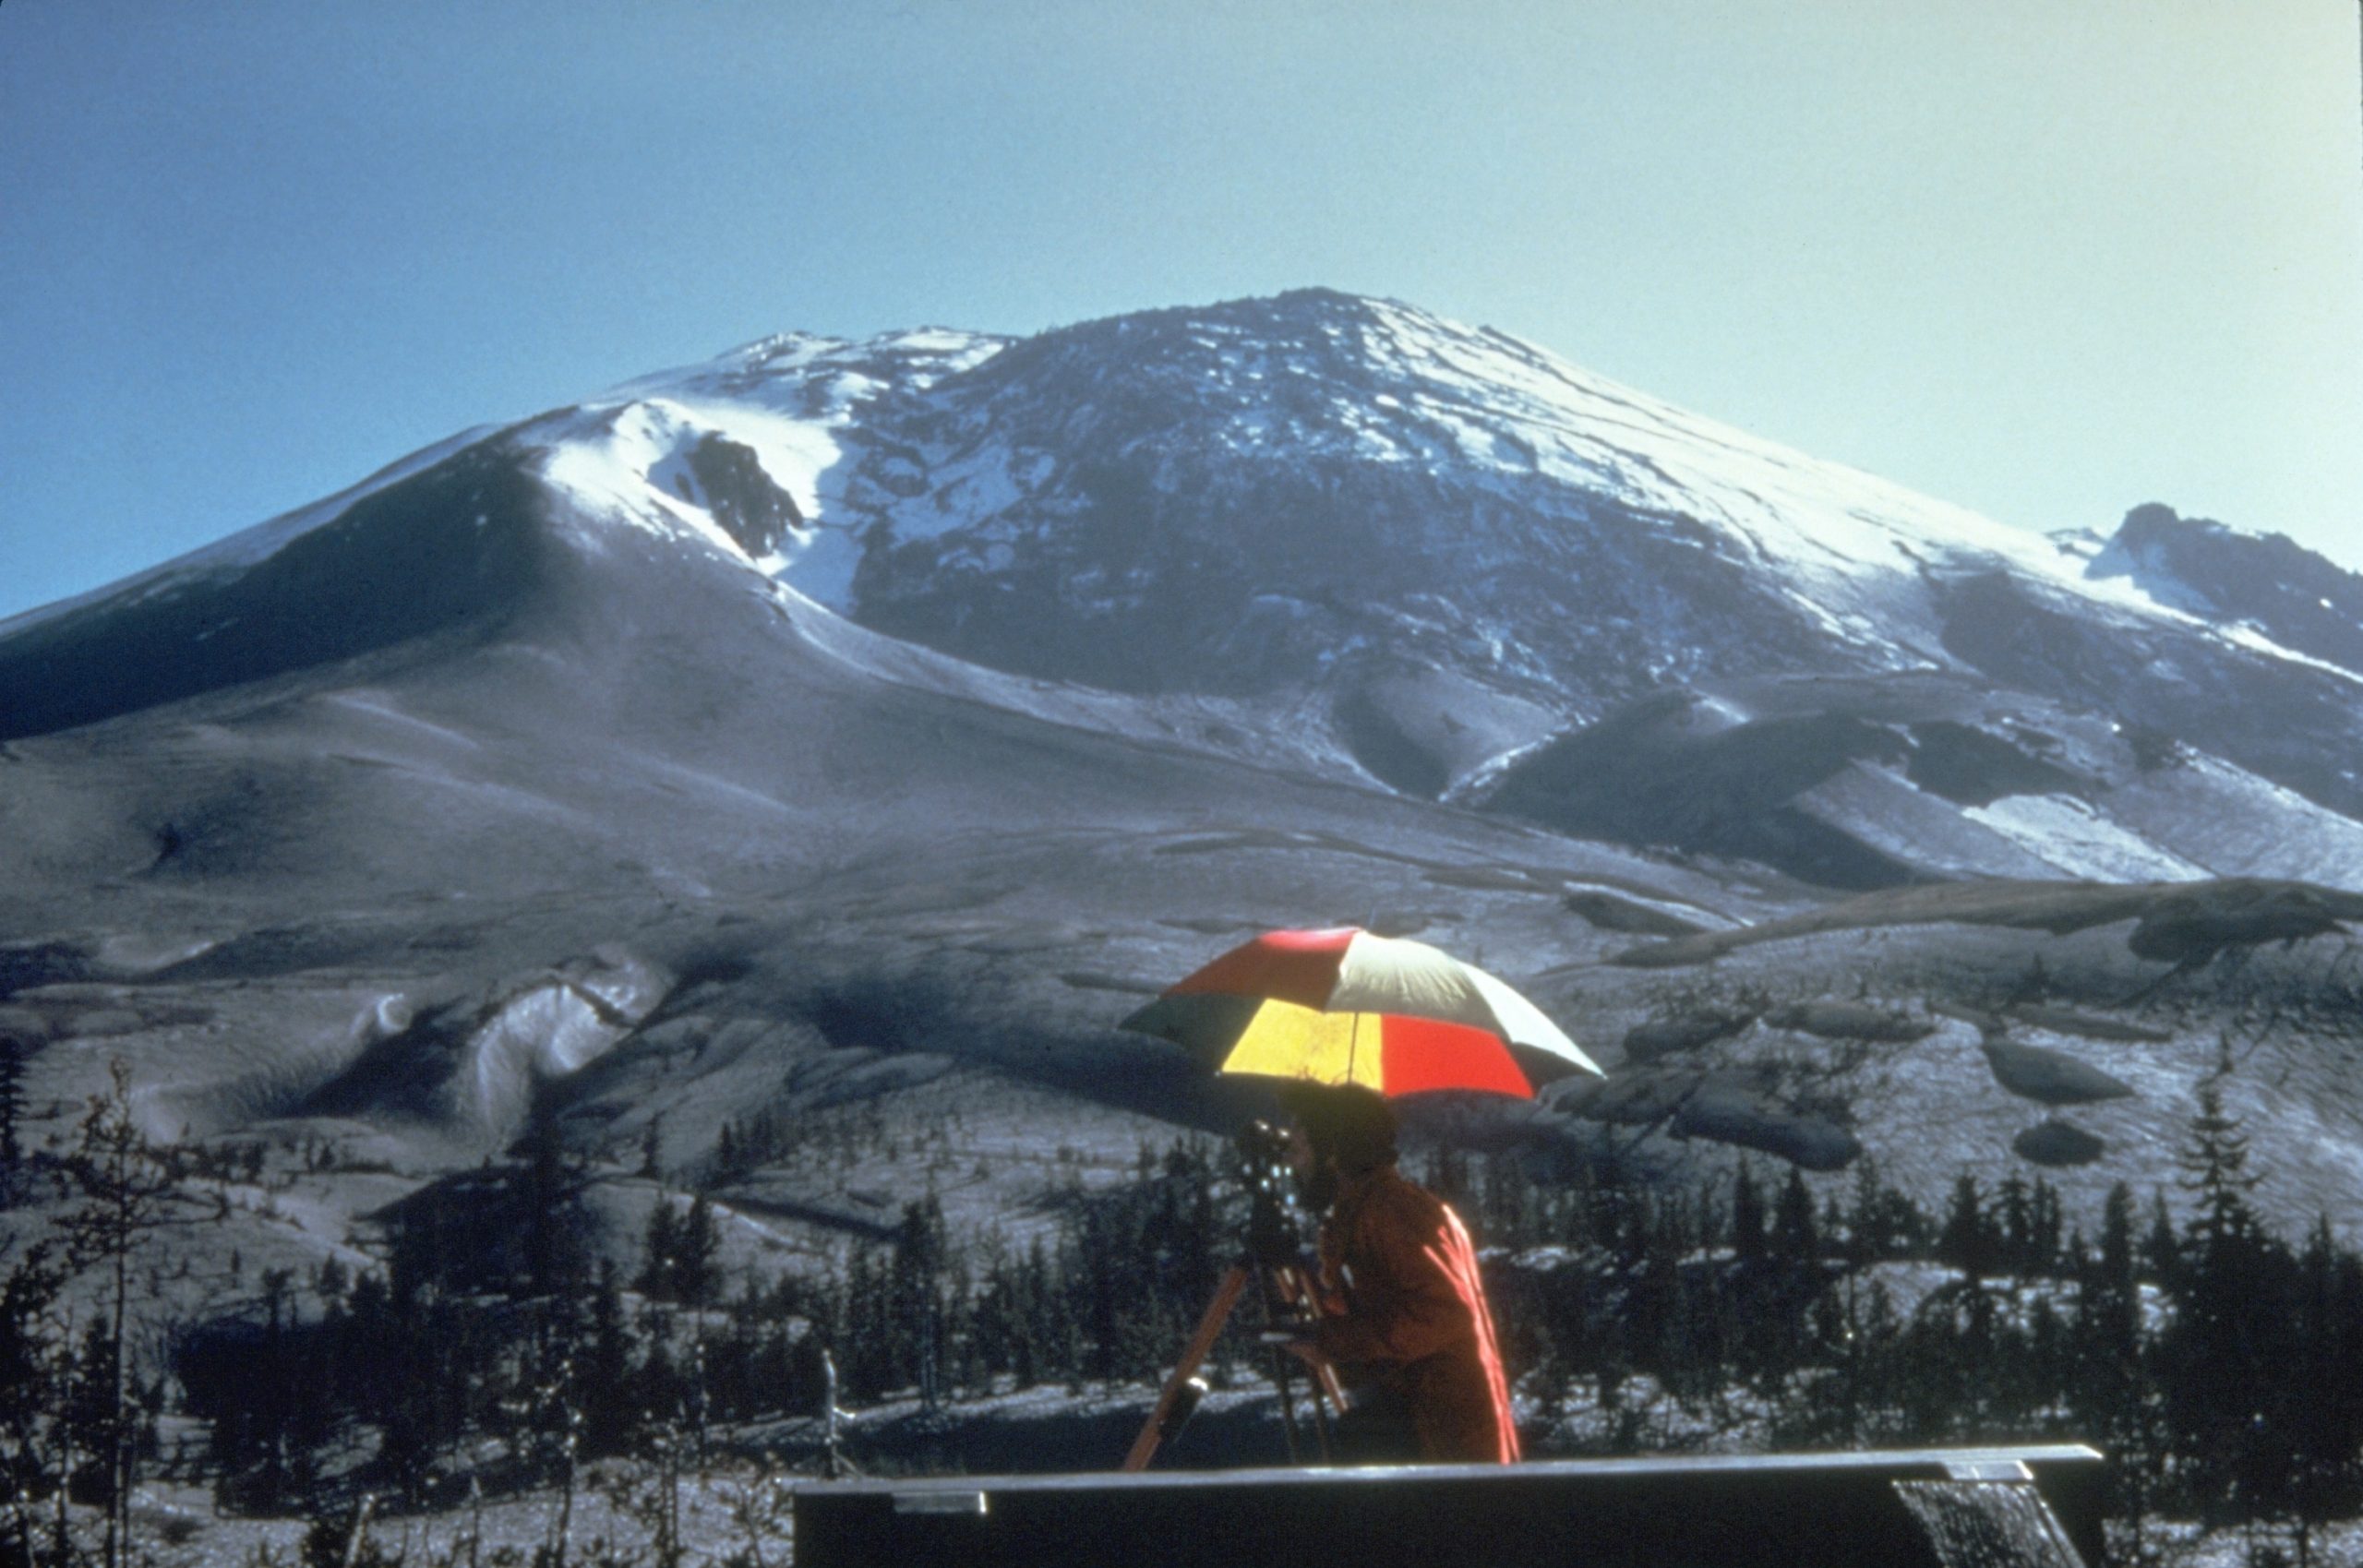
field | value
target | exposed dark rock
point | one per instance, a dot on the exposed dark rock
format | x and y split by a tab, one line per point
1631	1099
1423	731
1731	1115
1607	912
2292	724
2194	924
740	494
2299	599
1664	773
1834	1020
2058	907
2153	749
1685	1031
1677	952
1969	767
1380	742
26	964
2059	1144
2054	1078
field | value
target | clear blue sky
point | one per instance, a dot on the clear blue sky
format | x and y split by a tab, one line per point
2046	258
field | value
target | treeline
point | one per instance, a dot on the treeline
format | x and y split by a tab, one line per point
2219	1363
77	1413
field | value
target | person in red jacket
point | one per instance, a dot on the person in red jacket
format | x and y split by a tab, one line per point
1403	1312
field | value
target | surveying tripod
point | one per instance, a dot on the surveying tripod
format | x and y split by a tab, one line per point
1272	1257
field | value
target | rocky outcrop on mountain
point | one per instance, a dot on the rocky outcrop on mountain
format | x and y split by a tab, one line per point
2054	1078
2059	1144
1655	1037
2293	596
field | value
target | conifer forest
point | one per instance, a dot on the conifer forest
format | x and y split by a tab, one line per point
2218	1362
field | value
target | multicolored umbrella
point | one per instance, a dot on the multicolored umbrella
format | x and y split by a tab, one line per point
1343	1006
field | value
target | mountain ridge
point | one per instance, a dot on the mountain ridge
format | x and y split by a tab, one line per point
1383	543
858	721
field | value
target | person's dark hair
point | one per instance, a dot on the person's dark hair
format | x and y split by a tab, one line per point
1345	1122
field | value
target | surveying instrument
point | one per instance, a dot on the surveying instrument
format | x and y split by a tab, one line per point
1272	1255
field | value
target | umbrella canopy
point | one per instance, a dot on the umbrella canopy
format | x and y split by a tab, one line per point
1343	1006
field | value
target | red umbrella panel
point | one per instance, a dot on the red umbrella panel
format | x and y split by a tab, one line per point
1344	1006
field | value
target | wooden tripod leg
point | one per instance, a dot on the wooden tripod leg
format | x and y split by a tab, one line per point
1193	1354
1328	1400
1291	1285
1281	1381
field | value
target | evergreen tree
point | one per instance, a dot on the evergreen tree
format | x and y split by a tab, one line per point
2214	1171
1859	1401
609	1421
2110	1387
551	1186
36	1443
2322	1388
1047	1329
1969	1240
870	1350
2227	1343
2161	1249
2048	1220
1796	1240
97	1407
915	1301
1655	1302
697	1257
660	1246
2014	1219
126	1187
1747	1217
1881	1221
12	1110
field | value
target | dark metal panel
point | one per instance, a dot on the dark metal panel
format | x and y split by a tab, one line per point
1810	1511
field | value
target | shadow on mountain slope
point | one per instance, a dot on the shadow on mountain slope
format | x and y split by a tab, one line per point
443	551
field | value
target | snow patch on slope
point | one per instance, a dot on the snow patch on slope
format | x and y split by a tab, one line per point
812	377
617	465
554	1027
803	404
2240	825
2070	834
1588	432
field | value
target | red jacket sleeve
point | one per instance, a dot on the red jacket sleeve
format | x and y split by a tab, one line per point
1404	1289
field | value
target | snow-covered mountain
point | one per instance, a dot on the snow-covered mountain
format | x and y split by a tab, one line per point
1391	546
875	722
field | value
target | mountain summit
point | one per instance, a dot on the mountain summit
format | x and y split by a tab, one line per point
872	724
1403	549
